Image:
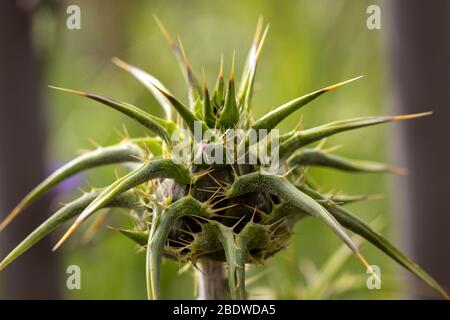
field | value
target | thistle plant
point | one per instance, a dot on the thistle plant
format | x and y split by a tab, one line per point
207	213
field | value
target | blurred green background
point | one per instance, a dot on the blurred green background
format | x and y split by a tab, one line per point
311	44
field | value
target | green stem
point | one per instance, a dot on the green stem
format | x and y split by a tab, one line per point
211	280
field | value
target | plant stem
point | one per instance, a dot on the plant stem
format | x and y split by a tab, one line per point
211	280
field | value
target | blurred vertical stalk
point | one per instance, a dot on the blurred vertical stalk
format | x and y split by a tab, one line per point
211	280
22	146
419	48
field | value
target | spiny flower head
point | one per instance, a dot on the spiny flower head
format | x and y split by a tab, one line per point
212	182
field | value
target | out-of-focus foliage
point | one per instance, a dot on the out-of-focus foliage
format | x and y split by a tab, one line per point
310	45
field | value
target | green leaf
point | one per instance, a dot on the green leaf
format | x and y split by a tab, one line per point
280	186
157	240
271	119
163	168
250	60
248	76
207	109
122	152
138	236
198	108
219	89
185	113
126	200
229	116
311	157
178	51
355	224
146	79
346	199
235	254
156	125
304	137
151	144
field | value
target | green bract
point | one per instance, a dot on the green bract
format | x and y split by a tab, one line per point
237	213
